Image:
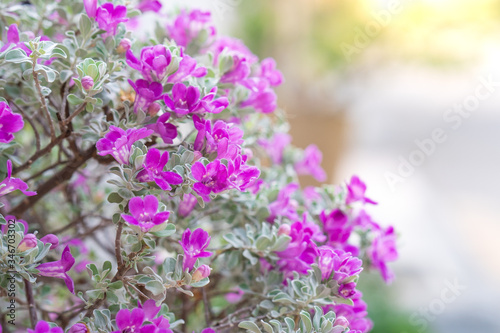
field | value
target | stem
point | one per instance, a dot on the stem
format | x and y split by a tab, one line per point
118	247
40	153
54	181
206	305
44	104
31	303
74	114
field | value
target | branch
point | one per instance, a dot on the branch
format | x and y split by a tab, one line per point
44	104
54	181
74	114
31	303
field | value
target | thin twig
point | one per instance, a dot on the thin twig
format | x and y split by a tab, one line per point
38	174
74	114
44	103
206	305
118	247
31	303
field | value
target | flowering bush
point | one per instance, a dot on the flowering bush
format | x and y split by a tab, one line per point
145	185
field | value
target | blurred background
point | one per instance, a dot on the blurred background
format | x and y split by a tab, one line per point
405	94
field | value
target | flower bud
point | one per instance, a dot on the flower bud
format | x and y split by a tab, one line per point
78	328
284	229
153	109
87	83
201	272
341	321
52	239
124	45
28	242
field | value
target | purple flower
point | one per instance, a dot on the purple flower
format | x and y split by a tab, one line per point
212	104
187	68
108	17
356	314
261	96
11	184
153	170
270	73
50	239
211	179
342	265
29	241
232	46
356	192
187	204
208	330
166	130
194	245
284	204
337	227
241	176
118	142
146	93
383	250
238	72
59	268
149	6
13	38
145	213
153	63
9	123
311	164
133	321
300	253
44	327
275	146
79	328
183	99
90	7
224	139
187	26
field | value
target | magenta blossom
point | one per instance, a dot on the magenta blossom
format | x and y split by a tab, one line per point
261	96
153	170
301	252
338	228
153	63
223	138
79	328
275	146
211	178
28	242
284	204
149	6
145	93
183	100
90	7
133	321
9	123
10	184
108	17
356	314
232	46
356	192
118	142
9	218
59	268
340	266
166	130
13	39
201	272
238	72
44	327
188	26
241	176
311	164
145	213
188	67
50	239
383	250
194	245
270	73
187	204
